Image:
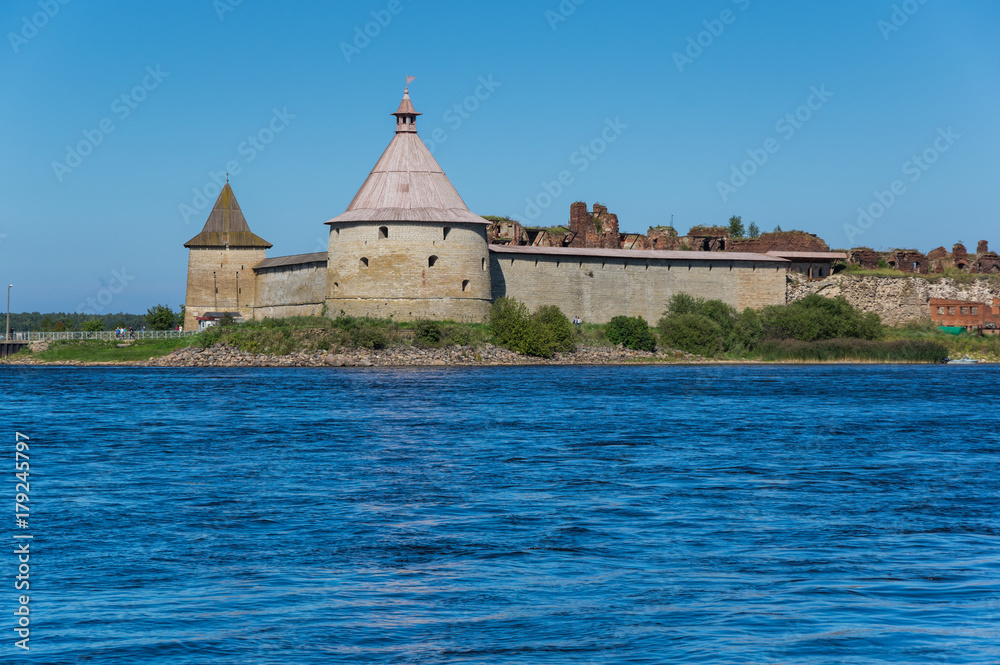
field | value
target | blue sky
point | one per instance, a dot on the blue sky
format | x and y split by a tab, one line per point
659	110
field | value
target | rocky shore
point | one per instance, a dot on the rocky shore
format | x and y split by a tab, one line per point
405	356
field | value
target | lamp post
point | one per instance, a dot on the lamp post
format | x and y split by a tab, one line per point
6	331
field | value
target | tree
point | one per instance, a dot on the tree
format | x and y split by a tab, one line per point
736	229
753	231
777	229
694	333
632	332
93	325
557	329
161	317
514	329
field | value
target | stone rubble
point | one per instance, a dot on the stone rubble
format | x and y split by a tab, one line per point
403	356
896	300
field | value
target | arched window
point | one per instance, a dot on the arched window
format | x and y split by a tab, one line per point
447	230
383	232
484	264
465	285
431	261
364	261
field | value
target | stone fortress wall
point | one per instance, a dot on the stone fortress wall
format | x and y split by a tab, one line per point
598	288
295	289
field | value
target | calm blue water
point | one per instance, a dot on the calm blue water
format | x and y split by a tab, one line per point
834	514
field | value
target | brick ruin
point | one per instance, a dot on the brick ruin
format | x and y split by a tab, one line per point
599	229
909	260
865	257
782	241
935	261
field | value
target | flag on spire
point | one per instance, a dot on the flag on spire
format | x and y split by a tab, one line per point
410	79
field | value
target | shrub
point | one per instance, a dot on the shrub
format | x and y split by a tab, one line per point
210	336
816	318
694	333
427	333
557	329
514	329
632	332
749	328
735	331
456	334
509	321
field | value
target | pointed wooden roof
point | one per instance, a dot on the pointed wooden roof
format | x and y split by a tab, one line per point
407	183
226	226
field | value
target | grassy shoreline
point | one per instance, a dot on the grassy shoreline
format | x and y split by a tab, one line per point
315	335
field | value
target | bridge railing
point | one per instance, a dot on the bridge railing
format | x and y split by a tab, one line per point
107	335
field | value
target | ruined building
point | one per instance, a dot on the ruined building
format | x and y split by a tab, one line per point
935	261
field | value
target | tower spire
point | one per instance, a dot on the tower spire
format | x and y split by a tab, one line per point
406	115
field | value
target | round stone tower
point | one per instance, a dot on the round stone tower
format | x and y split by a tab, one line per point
407	246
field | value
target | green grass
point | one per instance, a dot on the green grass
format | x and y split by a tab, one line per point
853	350
914	342
954	274
99	351
985	347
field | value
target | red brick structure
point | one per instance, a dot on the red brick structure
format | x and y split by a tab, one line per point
663	237
781	241
597	229
707	239
968	314
865	257
635	241
987	263
909	260
983	247
960	256
505	232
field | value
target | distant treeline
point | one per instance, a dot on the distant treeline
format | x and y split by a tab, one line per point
72	321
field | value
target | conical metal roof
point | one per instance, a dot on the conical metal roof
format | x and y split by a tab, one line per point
226	226
407	183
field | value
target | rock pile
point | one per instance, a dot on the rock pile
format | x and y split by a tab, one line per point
405	356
